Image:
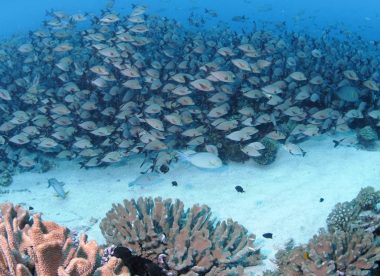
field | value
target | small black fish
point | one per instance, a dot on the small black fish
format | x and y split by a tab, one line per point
164	168
268	235
239	189
174	183
321	199
31	208
337	142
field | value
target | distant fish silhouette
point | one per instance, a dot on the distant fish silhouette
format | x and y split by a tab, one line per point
146	180
239	189
58	187
268	235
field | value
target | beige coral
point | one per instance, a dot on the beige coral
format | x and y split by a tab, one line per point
331	253
189	238
114	267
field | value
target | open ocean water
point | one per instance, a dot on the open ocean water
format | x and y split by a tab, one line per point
189	137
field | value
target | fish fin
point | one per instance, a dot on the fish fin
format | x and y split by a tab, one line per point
303	153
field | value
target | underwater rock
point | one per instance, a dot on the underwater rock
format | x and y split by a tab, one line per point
269	154
367	136
6	178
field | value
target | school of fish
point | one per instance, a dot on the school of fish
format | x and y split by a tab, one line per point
119	85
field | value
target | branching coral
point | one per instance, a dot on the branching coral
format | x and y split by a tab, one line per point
29	247
189	239
349	248
337	253
360	213
341	216
367	198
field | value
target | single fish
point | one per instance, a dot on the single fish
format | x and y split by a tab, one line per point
294	149
58	187
146	179
268	235
203	160
239	189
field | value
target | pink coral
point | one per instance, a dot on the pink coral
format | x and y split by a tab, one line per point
43	248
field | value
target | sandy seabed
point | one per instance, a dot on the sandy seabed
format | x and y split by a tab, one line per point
283	198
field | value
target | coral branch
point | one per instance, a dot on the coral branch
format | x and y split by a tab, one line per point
189	238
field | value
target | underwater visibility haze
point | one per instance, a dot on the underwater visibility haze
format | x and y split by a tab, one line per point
189	137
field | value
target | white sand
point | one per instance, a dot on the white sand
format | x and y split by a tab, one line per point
282	198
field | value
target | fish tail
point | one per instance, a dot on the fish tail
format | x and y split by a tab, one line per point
336	143
49	13
95	20
181	156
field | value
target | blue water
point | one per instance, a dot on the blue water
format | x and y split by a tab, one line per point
363	17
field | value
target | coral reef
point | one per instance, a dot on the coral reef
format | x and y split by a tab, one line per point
6	178
349	247
367	198
341	217
113	267
367	136
360	213
36	247
187	241
269	154
340	253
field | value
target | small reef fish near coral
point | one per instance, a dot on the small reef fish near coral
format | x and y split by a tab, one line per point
102	90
